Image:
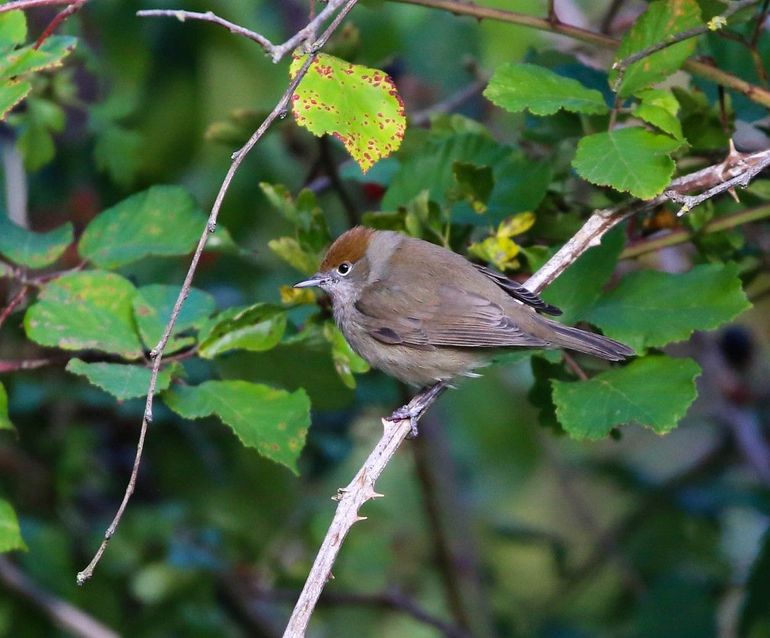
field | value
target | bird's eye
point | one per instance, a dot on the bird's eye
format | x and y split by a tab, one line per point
344	268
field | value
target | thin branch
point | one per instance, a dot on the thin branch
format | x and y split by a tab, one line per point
621	66
275	51
451	533
57	20
460	7
683	235
31	4
29	364
609	17
63	614
13	303
157	353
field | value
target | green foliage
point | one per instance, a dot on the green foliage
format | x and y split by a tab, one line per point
662	18
256	328
629	159
359	105
5	420
346	361
18	65
90	310
516	87
655	391
121	381
34	250
274	422
10	535
153	305
650	309
163	220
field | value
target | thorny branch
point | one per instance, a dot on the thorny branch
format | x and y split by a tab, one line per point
157	353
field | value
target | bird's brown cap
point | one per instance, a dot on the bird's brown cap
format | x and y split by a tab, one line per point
350	246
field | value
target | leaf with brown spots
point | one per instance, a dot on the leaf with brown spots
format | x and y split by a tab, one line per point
359	105
274	422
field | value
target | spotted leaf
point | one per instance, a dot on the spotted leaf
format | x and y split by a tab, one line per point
359	105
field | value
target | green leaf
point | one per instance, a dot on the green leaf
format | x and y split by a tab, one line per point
655	391
431	167
5	420
659	108
346	362
10	534
358	105
152	309
663	18
578	288
120	380
86	311
37	125
117	152
11	94
650	309
516	87
13	28
34	250
288	249
629	159
163	220
274	422
255	328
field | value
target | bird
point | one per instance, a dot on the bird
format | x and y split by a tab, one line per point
425	315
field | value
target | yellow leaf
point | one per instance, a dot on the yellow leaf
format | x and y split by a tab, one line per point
291	295
516	225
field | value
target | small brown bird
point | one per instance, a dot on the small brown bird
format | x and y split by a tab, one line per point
425	315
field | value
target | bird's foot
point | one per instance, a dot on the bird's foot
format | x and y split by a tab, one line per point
414	410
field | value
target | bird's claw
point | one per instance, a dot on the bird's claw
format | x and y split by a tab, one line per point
407	412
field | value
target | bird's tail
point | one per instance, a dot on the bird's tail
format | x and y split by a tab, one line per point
588	342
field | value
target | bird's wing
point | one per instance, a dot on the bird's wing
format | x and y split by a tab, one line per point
518	292
443	316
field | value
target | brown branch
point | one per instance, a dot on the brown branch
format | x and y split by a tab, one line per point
459	7
157	353
64	615
21	5
29	364
760	22
57	20
683	235
13	303
451	536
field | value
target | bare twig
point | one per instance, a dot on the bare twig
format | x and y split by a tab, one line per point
461	7
157	353
57	20
63	614
275	51
28	364
31	4
760	22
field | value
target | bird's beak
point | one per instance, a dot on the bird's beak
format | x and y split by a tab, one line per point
315	280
